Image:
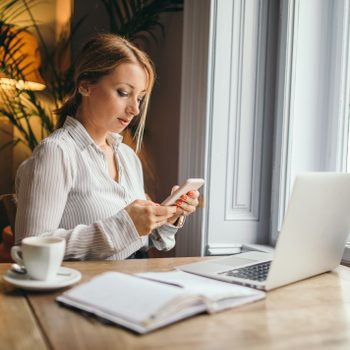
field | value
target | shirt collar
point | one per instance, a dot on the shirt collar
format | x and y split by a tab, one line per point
114	139
82	137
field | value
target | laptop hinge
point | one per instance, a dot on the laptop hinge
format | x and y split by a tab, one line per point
223	249
235	248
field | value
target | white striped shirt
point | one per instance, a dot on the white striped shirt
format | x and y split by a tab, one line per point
64	189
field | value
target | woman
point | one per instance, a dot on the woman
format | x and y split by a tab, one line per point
82	183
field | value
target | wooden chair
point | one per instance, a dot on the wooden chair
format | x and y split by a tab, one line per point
8	208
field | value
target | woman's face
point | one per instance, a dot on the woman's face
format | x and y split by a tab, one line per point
111	103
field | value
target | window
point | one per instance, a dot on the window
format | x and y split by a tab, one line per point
231	61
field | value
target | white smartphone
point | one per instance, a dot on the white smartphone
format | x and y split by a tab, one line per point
189	185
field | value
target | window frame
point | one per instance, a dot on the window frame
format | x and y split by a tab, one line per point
195	152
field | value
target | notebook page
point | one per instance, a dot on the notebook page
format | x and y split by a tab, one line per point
210	288
131	298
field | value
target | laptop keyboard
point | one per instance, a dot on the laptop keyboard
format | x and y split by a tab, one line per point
257	272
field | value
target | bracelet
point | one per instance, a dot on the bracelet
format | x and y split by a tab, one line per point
180	221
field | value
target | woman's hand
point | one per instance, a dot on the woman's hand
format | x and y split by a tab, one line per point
148	215
186	205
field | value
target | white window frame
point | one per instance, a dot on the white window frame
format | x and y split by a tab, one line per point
224	93
335	155
331	120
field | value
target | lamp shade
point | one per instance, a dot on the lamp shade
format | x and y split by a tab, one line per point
22	60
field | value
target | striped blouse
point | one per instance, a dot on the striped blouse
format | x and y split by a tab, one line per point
64	189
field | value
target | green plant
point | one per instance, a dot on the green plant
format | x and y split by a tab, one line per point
139	19
19	105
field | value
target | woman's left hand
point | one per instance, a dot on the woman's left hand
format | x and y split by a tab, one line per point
186	204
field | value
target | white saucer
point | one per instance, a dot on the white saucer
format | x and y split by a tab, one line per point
65	277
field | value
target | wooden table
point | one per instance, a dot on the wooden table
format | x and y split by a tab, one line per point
312	314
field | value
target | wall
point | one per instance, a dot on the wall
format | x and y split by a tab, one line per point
95	21
162	137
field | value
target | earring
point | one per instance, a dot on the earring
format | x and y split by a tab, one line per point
83	92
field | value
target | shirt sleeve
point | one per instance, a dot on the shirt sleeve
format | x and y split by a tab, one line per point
43	184
163	238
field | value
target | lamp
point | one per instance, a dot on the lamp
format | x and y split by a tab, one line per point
22	56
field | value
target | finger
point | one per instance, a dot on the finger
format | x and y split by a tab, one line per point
146	203
189	202
174	188
160	223
193	194
187	199
165	211
187	208
175	217
179	212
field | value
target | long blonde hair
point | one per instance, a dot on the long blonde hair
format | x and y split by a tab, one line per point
99	57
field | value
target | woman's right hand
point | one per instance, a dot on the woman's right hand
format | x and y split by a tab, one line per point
148	215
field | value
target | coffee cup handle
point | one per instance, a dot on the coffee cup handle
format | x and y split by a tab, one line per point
15	255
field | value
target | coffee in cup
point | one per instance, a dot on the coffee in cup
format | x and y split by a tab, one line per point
41	256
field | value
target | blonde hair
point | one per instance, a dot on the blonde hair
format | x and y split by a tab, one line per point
98	58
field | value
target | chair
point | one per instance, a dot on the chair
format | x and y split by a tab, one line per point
8	208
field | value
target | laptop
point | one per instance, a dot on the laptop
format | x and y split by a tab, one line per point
312	240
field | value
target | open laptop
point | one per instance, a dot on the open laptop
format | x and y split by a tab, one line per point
312	239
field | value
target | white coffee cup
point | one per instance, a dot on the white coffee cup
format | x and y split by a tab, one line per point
41	256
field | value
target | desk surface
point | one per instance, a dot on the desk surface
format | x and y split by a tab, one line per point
312	314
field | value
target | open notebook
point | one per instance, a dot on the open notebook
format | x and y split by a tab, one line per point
147	301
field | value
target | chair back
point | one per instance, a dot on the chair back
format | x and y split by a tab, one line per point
8	209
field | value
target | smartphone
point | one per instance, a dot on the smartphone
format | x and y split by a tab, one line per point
189	185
